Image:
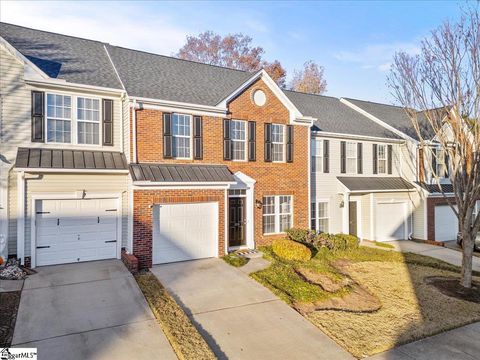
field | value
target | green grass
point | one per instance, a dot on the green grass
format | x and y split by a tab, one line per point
235	260
384	245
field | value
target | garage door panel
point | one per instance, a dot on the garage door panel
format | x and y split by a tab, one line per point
185	232
446	223
391	221
75	230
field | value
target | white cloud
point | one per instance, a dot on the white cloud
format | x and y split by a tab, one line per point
376	56
118	23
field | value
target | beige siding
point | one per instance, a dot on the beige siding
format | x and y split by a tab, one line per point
419	219
70	184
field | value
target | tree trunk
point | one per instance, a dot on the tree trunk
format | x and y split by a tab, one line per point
467	259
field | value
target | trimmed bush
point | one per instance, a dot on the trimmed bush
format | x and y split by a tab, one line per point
343	242
301	235
291	250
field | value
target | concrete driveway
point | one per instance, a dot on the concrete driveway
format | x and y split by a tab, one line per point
241	319
443	253
92	310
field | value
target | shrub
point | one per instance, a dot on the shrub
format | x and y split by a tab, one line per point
301	235
291	250
343	242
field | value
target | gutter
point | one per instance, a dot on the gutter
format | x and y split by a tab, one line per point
361	137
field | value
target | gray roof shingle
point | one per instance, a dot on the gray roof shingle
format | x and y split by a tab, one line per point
335	117
63	57
180	173
161	77
35	158
396	117
357	183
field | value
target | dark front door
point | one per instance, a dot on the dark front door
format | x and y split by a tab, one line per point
236	221
352	216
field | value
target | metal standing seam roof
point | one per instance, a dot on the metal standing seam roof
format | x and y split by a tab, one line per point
180	173
434	189
35	158
360	183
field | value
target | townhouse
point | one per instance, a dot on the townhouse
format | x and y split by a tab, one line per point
108	151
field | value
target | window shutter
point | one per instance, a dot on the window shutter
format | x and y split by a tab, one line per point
197	138
167	136
252	136
447	164
375	158
390	161
326	156
38	116
289	143
343	157
107	119
268	142
434	161
360	158
227	143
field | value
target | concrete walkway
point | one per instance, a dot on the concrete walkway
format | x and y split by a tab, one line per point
458	344
241	319
91	310
443	253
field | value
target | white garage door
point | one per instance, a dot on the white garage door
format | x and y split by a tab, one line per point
446	223
75	230
184	232
391	221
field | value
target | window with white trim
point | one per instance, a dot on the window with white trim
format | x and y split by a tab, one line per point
320	216
351	157
382	158
88	121
278	143
181	136
59	118
277	214
317	155
441	169
238	136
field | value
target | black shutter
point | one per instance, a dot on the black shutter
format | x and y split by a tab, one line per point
289	143
447	164
268	142
197	138
434	161
107	106
326	156
227	143
167	136
343	157
38	116
389	154
360	158
375	158
252	136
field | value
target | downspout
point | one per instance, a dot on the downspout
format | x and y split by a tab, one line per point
21	217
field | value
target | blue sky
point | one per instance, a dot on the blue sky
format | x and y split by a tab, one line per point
354	41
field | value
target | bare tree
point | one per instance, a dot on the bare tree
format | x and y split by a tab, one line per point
443	84
234	51
309	79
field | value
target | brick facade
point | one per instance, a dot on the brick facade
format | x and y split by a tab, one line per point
431	203
271	178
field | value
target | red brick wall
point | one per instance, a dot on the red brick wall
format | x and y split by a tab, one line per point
143	201
431	203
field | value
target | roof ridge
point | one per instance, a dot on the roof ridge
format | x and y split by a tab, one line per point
54	33
373	102
305	93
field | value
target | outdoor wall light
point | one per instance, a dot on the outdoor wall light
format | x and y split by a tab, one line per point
258	204
342	204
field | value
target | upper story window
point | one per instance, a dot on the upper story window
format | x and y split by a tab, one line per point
382	158
59	118
441	163
181	136
351	157
238	136
278	143
88	121
317	155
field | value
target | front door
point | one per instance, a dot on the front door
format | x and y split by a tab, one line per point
236	221
352	216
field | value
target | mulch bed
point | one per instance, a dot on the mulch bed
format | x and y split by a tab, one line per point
452	287
9	302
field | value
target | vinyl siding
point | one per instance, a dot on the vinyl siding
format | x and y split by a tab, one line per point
71	183
419	219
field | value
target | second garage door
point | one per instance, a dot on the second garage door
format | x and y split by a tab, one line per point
184	232
391	221
446	223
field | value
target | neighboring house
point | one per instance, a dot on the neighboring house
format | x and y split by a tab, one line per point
434	218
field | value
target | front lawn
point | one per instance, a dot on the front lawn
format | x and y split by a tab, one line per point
408	308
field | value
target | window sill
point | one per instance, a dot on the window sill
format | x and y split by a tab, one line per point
279	233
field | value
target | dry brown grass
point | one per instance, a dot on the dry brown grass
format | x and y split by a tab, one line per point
411	309
180	332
